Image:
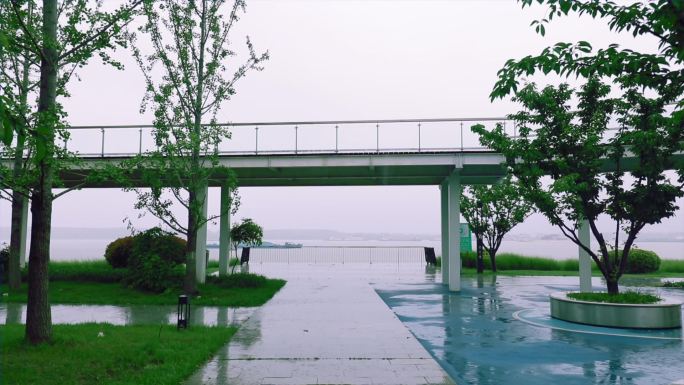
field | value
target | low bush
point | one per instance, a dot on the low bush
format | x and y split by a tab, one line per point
642	261
238	280
678	284
155	263
631	297
118	252
155	240
150	272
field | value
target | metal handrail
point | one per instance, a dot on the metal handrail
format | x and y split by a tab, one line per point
305	123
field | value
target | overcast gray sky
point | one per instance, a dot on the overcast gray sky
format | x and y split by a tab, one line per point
343	59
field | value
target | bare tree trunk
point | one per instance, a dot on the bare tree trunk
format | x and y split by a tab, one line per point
38	316
190	283
480	256
14	268
612	284
492	258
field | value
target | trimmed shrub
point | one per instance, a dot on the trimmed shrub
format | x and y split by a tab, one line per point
155	240
239	280
642	261
156	259
118	252
150	272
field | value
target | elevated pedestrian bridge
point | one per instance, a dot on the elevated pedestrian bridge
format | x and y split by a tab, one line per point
318	153
322	153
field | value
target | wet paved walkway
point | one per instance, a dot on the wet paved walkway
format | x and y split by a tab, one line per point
323	330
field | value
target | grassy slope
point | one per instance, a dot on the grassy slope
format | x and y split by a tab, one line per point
125	355
96	283
96	293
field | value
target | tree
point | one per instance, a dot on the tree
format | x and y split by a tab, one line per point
67	37
588	173
247	233
18	80
187	81
572	147
491	212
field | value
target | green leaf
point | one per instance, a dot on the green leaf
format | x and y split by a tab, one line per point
6	126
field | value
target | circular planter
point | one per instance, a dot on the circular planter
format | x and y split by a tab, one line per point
662	315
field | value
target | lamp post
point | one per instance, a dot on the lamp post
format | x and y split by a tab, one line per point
183	311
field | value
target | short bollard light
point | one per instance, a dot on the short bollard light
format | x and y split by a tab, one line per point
183	311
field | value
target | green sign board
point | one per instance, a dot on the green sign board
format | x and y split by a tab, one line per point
466	239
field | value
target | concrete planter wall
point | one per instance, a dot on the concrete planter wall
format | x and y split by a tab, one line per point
662	315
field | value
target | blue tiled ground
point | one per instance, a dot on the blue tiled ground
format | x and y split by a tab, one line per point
477	340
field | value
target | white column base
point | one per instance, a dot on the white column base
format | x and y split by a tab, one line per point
224	231
454	232
201	245
444	198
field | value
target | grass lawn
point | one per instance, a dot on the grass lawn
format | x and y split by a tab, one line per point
566	273
97	293
124	355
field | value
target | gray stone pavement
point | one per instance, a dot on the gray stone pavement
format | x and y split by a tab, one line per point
323	329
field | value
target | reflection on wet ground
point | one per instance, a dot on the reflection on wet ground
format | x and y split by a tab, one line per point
129	315
475	337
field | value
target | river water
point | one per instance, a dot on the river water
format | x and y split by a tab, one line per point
93	249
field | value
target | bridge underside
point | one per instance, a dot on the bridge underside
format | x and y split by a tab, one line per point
339	169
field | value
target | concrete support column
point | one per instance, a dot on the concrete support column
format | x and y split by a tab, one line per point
201	246
22	229
454	232
224	230
584	233
444	198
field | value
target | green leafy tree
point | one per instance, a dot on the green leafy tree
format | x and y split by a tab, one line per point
63	38
247	233
491	212
18	80
589	176
188	79
573	148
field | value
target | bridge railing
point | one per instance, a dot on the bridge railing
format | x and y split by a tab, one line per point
338	255
344	136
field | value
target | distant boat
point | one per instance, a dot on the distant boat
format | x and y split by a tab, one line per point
264	245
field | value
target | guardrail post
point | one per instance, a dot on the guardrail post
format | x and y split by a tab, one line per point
140	142
296	139
103	142
377	137
461	136
515	130
256	136
336	138
418	136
